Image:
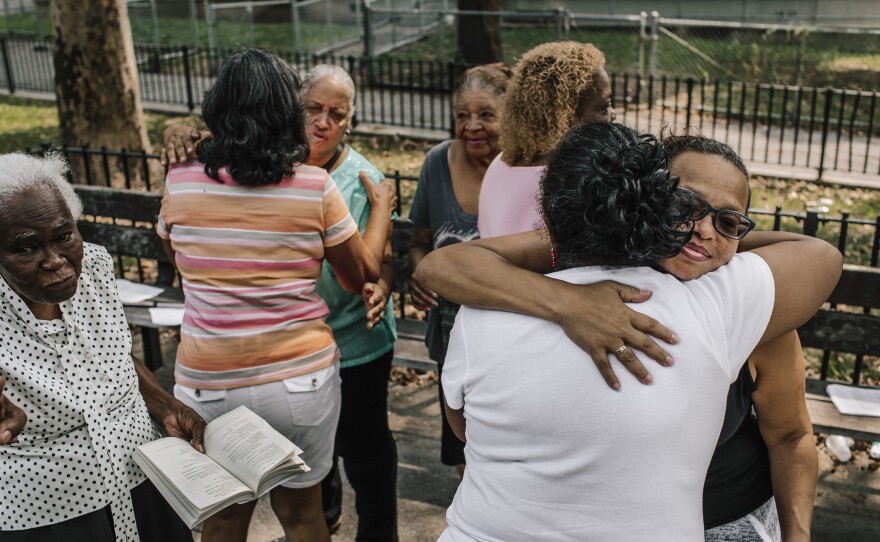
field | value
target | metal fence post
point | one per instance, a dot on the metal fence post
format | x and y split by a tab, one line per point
294	20
368	29
826	119
690	102
210	27
8	16
811	222
643	24
249	10
6	66
451	76
194	23
560	22
329	11
187	75
655	38
154	19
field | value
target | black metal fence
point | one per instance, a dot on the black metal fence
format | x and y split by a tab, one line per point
807	131
858	239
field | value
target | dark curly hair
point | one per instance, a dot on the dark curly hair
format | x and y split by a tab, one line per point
256	120
608	199
676	144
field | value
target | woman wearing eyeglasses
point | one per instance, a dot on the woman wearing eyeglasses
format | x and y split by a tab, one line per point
760	466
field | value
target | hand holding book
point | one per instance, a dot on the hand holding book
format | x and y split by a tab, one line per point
244	458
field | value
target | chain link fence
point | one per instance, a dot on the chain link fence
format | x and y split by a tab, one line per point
165	21
803	54
781	54
26	18
311	26
428	30
647	45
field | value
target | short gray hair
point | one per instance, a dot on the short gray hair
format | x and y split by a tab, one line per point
489	77
322	71
20	173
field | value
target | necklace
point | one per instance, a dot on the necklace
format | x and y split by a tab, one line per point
334	158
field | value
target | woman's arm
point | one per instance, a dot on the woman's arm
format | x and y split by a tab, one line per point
169	251
377	294
178	419
358	260
503	273
12	418
179	144
456	421
805	272
422	297
788	432
383	200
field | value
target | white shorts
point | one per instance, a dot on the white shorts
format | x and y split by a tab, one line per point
304	409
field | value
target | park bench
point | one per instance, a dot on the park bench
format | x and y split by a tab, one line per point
124	222
838	329
409	350
126	227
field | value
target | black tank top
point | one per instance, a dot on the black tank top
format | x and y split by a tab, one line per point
738	480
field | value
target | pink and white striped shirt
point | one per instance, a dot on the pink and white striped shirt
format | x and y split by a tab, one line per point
250	258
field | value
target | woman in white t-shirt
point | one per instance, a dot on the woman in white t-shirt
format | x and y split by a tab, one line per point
569	458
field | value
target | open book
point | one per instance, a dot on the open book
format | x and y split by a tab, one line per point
244	458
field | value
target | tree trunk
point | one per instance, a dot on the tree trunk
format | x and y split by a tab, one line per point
479	36
96	82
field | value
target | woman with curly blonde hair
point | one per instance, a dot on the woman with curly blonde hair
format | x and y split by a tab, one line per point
555	86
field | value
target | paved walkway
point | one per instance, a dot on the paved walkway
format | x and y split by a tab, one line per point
847	503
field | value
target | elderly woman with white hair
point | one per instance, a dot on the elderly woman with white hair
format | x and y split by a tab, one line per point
365	338
363	326
74	404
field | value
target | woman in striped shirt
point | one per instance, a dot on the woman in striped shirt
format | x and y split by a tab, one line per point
248	227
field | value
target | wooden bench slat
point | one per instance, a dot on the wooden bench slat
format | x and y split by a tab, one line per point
124	240
842	332
412	352
411	328
859	286
127	204
826	419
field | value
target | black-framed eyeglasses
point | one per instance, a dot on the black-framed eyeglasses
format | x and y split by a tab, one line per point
730	224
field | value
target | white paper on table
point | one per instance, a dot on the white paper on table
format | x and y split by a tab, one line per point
855	401
166	316
135	292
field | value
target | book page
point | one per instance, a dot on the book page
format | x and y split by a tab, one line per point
245	445
166	316
135	292
855	401
195	475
